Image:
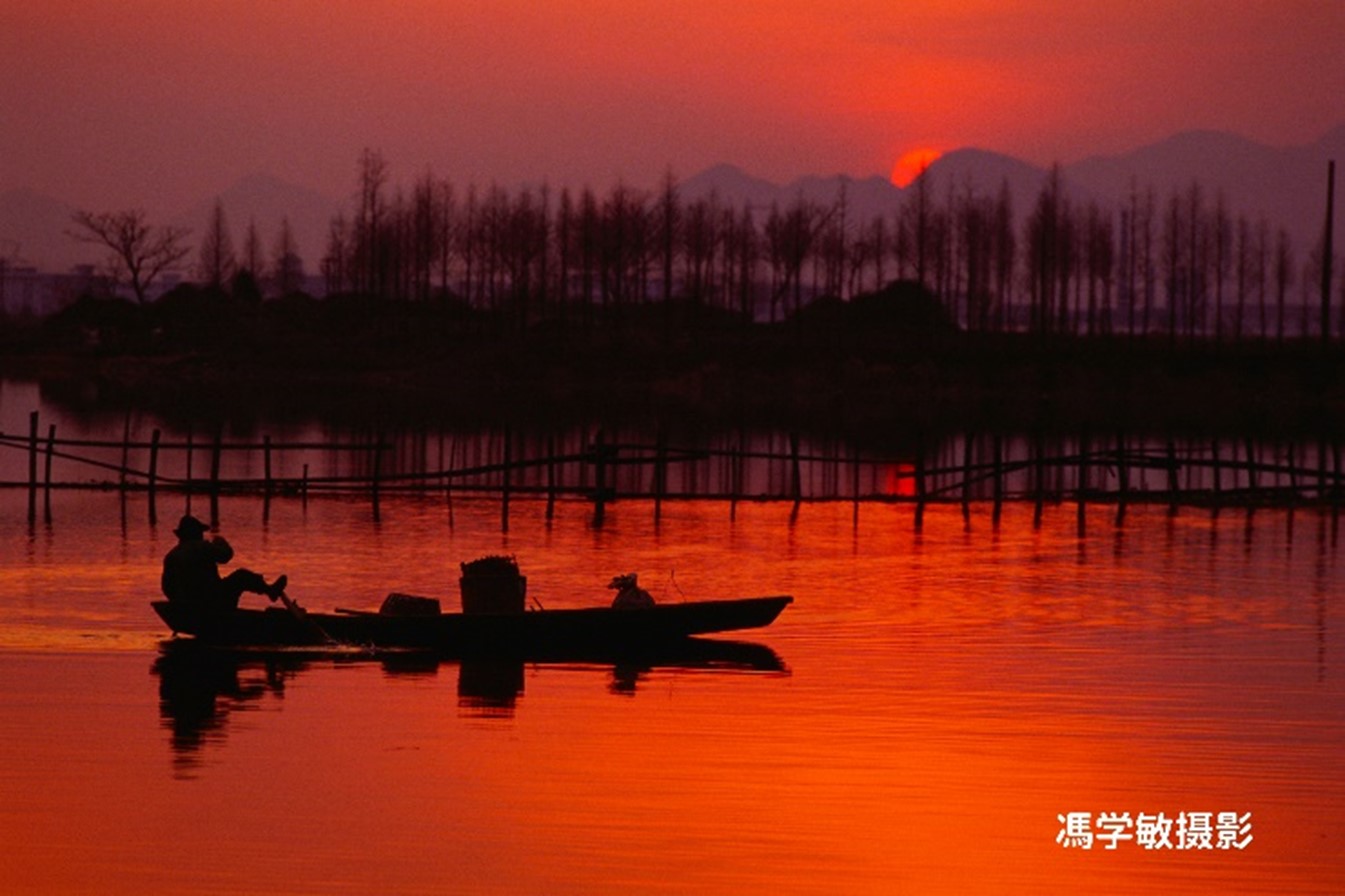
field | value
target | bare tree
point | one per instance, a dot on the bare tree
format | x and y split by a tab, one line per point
425	230
1222	237
252	250
369	222
139	252
1175	262
217	259
445	217
791	238
1284	275
701	239
1099	262
1043	252
336	263
287	268
669	214
1003	249
916	214
1243	272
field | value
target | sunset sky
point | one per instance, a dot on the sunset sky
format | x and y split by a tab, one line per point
161	103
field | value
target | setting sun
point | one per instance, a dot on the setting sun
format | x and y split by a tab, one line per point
911	163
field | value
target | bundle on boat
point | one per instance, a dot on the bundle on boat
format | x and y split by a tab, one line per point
493	584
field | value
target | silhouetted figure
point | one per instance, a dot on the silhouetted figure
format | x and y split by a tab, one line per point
191	571
629	594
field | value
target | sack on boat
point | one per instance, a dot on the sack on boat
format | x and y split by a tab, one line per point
492	585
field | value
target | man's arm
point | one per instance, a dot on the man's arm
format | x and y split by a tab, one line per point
220	550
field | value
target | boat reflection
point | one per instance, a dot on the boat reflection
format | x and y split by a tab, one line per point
200	689
200	686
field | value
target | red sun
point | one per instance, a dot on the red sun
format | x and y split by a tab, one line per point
912	163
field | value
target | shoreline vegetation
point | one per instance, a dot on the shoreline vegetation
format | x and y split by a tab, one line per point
955	314
881	367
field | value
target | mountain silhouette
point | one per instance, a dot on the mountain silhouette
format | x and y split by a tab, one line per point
1285	185
986	173
730	185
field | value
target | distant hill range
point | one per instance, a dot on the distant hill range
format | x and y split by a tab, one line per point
1286	185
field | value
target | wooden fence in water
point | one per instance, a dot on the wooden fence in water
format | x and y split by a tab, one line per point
988	469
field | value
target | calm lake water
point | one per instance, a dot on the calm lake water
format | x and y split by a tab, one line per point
939	702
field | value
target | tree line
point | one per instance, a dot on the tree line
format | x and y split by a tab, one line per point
1184	265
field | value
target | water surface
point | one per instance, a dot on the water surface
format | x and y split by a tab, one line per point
940	698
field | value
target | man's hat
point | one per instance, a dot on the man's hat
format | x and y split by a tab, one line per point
189	527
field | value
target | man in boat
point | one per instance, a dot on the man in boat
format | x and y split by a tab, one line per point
191	571
629	594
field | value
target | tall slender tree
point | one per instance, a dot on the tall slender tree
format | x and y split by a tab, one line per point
287	268
216	259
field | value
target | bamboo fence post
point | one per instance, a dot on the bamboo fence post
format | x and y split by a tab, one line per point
125	453
740	464
1174	477
920	485
46	478
1291	455
1251	466
795	469
443	469
423	465
188	484
997	449
660	473
1039	484
448	479
966	482
32	466
736	474
375	481
1216	471
153	484
266	479
550	477
1122	479
266	466
216	449
1321	469
1335	471
505	480
1081	485
599	454
854	482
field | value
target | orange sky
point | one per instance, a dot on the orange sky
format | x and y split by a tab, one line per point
161	103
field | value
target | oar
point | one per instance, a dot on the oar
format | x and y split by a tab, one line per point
305	620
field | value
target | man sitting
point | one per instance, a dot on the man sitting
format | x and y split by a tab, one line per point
191	571
629	594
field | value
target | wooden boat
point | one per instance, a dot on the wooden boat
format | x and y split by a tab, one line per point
534	633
